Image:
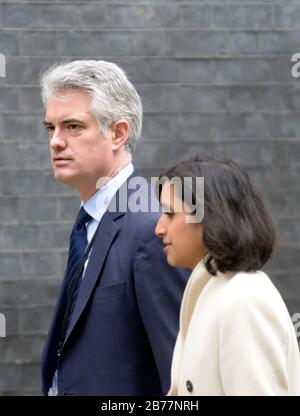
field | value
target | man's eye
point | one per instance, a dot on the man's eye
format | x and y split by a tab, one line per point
169	214
73	127
49	129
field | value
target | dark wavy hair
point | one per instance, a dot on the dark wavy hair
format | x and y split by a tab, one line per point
238	230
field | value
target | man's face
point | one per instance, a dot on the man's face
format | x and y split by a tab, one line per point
80	154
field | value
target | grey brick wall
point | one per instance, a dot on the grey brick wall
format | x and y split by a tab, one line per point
215	77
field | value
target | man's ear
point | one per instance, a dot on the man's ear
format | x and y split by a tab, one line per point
120	130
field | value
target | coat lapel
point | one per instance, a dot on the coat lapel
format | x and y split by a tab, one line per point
196	284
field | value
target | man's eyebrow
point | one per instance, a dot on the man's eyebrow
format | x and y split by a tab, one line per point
65	121
71	120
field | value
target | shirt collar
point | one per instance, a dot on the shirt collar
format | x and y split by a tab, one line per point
98	203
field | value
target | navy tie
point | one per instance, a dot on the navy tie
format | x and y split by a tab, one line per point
78	244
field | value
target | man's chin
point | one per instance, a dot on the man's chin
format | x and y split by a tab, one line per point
64	178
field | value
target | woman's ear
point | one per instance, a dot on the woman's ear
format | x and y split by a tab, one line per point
120	130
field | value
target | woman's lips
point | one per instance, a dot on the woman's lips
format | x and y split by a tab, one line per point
167	247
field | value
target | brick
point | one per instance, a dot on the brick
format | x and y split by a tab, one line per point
270	152
68	208
286	16
149	43
10	265
11	320
34	155
217	126
41	16
11	102
9	43
281	176
93	43
286	283
25	374
31	322
1	127
38	208
54	236
151	96
283	202
19	237
20	348
251	98
197	42
31	182
218	98
293	306
23	127
289	230
263	98
163	126
227	70
37	43
195	16
188	98
145	16
30	99
28	292
24	155
242	16
9	155
288	42
9	211
282	69
40	264
90	16
151	70
257	42
126	16
26	70
285	260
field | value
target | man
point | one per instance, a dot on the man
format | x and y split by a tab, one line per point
116	319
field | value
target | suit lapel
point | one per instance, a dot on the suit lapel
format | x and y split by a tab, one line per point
106	233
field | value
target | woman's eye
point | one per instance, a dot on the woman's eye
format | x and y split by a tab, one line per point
169	214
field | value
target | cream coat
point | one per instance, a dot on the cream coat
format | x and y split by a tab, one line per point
236	338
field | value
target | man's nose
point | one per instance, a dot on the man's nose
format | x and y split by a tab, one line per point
57	140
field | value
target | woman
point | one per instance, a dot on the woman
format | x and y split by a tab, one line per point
236	336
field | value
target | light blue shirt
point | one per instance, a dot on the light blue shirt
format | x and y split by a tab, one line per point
96	207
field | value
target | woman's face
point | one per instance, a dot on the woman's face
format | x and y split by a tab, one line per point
183	240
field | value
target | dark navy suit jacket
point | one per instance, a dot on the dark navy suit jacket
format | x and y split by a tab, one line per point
123	329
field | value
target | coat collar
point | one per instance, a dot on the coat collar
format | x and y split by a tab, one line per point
196	283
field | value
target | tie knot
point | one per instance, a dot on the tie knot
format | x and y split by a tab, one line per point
82	218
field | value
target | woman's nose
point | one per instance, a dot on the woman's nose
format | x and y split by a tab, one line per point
160	229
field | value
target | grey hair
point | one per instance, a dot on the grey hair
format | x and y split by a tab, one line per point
112	95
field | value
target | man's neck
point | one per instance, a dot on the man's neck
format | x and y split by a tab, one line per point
85	193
